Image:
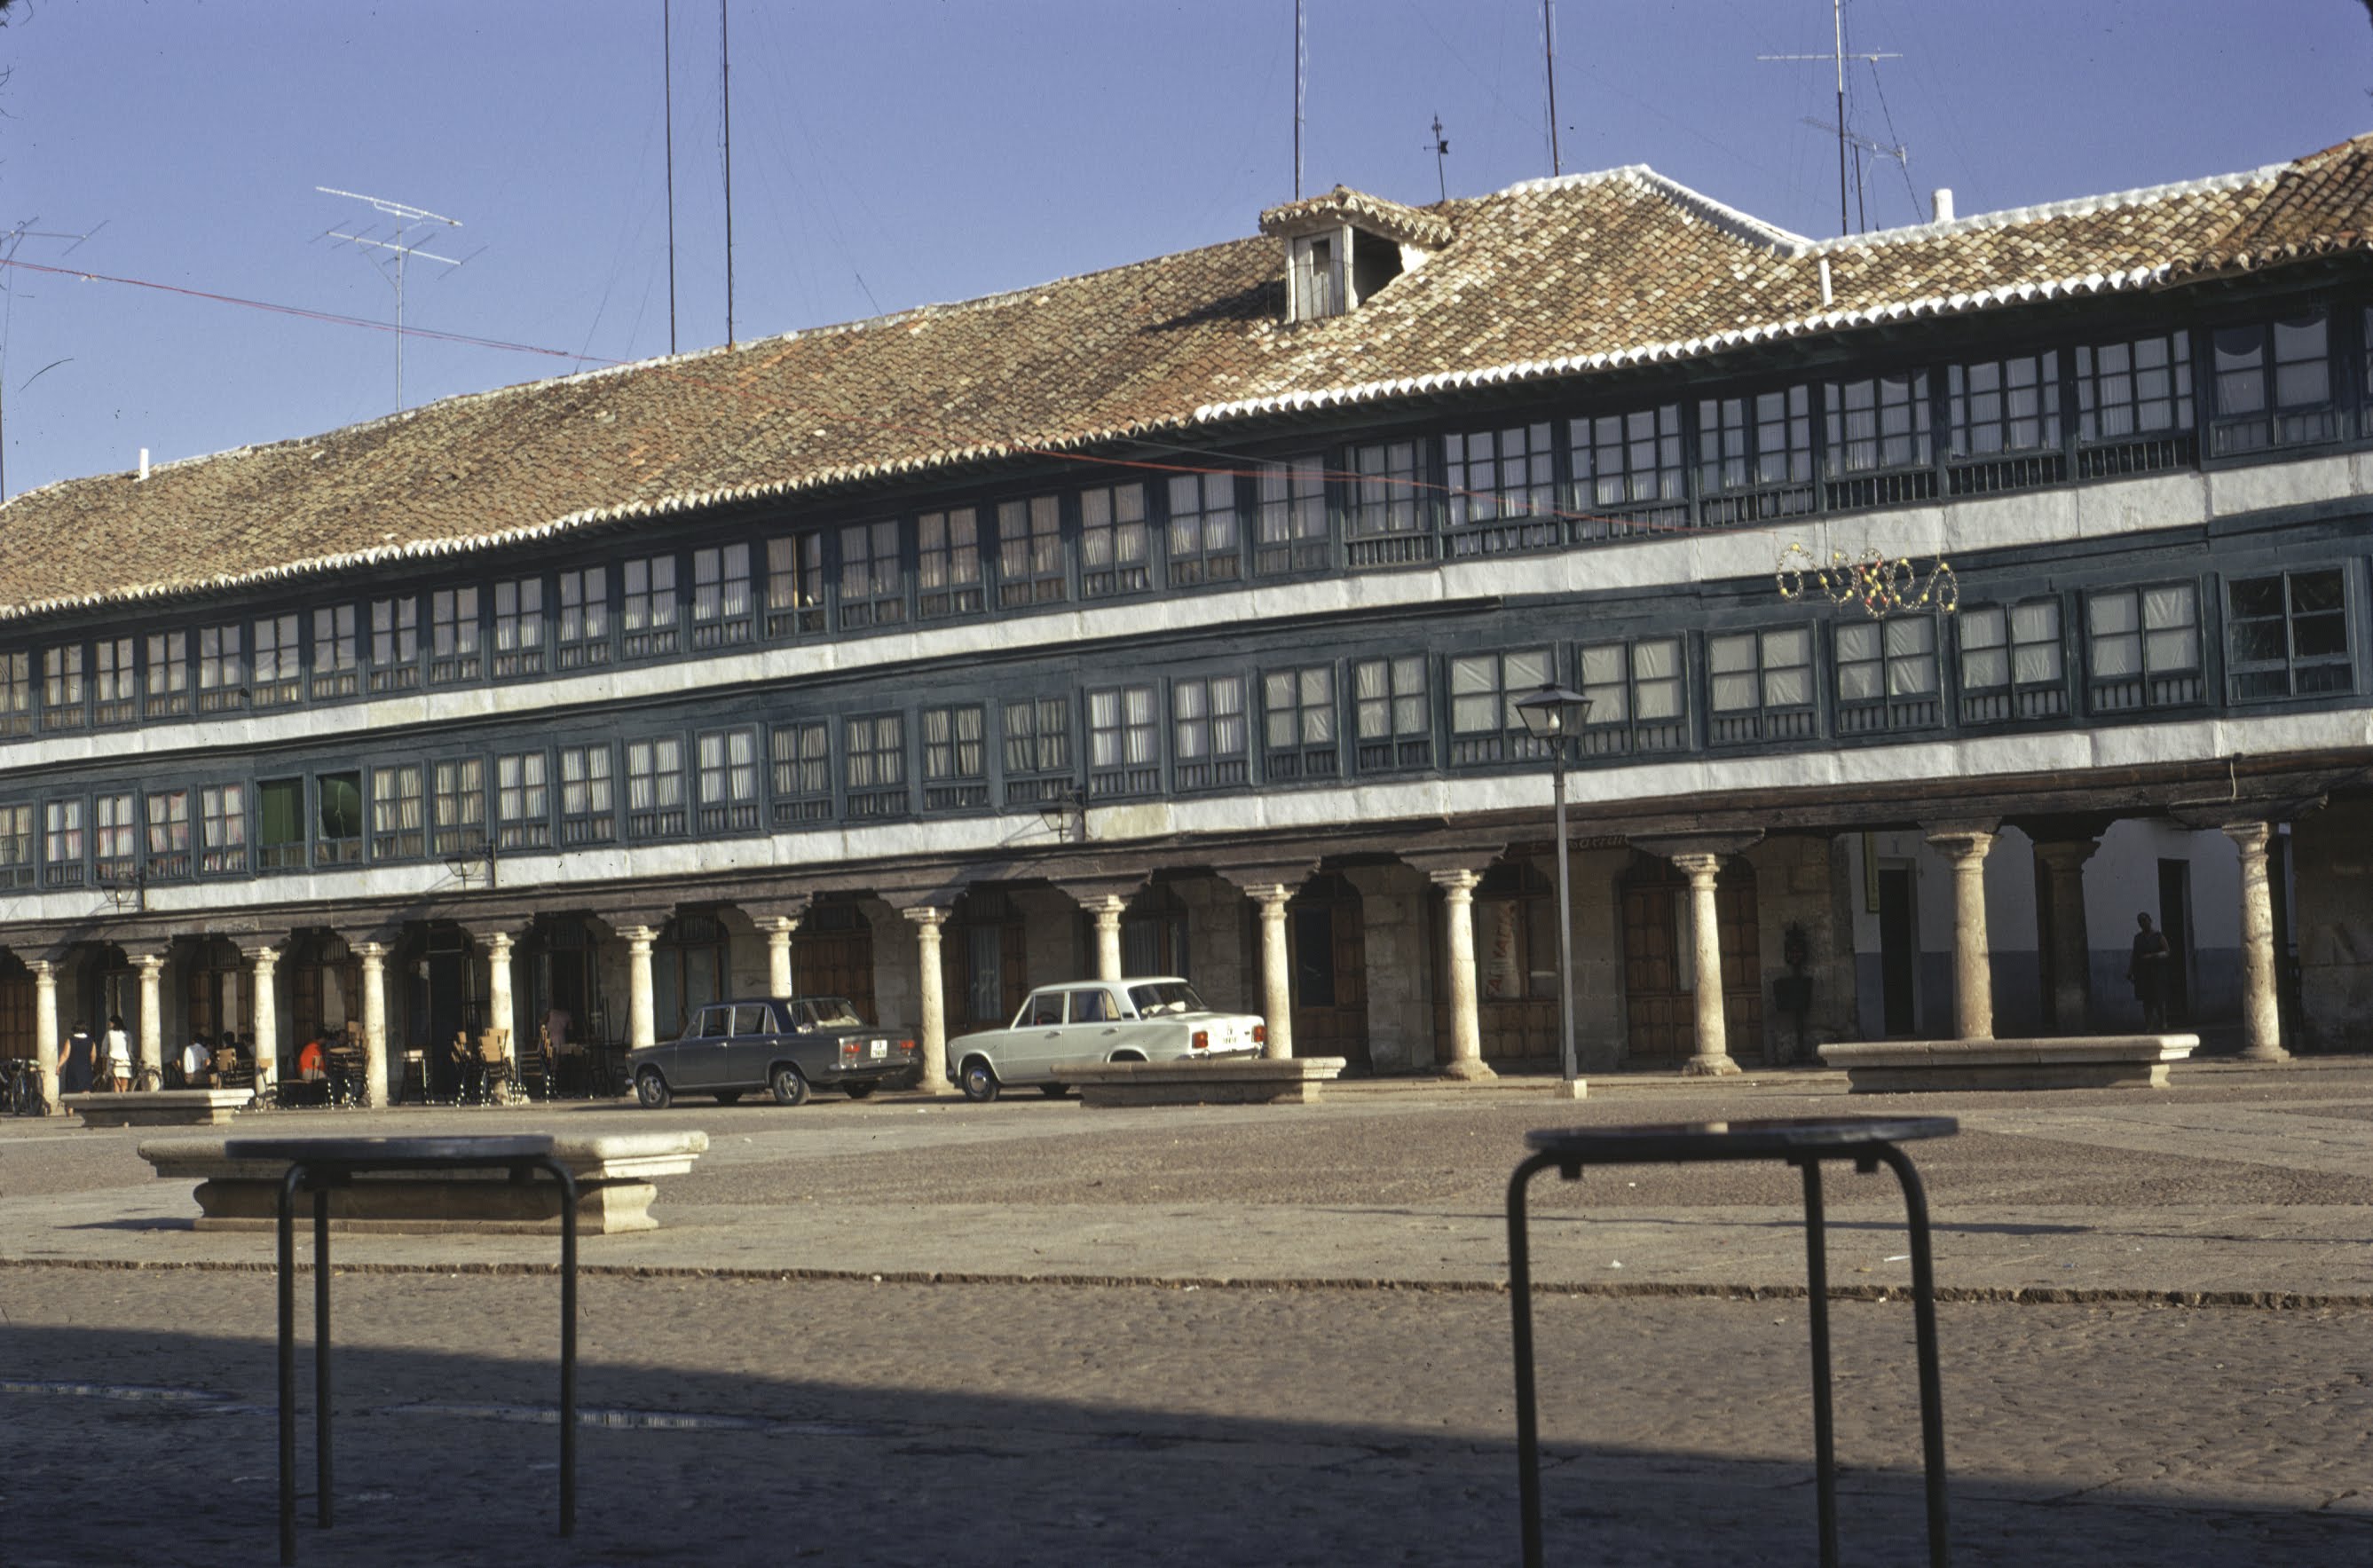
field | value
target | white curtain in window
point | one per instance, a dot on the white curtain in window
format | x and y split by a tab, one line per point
1656	676
1140	725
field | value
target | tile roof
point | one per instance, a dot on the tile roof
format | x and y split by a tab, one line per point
1553	277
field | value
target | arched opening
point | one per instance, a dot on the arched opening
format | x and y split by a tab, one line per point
1659	988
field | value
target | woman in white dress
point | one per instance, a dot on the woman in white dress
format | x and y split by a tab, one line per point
117	1048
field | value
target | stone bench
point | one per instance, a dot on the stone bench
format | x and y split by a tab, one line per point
1215	1080
161	1107
2083	1061
614	1174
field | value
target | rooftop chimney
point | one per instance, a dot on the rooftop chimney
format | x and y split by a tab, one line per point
1944	204
144	464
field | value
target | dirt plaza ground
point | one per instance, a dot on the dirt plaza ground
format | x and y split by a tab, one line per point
1247	1336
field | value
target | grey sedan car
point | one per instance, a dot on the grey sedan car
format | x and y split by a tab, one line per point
787	1047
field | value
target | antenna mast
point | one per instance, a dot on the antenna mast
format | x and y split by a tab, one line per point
1549	46
1838	57
1440	151
725	52
667	102
1301	69
407	219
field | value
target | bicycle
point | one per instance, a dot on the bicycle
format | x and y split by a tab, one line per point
21	1089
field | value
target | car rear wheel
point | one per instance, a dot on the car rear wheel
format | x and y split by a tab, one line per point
790	1089
729	1096
979	1081
859	1091
651	1090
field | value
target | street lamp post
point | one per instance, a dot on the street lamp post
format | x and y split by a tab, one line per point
1552	714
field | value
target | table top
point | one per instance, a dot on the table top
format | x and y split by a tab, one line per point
388	1152
1781	1138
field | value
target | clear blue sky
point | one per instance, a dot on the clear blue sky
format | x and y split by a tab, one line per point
900	152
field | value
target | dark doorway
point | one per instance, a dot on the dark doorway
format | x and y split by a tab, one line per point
2175	921
1328	965
832	954
1899	954
1660	1015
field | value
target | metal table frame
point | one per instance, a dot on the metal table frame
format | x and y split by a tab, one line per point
1805	1143
325	1163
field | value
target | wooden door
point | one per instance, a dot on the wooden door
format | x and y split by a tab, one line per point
1328	961
15	1017
833	956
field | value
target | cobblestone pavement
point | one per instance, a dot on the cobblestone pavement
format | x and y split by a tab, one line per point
750	1419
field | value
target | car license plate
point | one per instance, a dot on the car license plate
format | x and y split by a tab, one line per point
881	1048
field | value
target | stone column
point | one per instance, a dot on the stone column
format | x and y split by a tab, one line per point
1465	1020
2260	1011
45	1028
1276	989
932	1044
1973	974
1106	912
778	931
375	1085
1713	1057
498	994
152	1020
638	984
267	1018
2072	947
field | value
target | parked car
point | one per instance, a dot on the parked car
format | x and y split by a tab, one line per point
1156	1019
788	1048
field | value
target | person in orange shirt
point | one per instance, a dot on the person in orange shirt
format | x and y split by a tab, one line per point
310	1059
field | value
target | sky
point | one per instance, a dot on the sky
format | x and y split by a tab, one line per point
898	153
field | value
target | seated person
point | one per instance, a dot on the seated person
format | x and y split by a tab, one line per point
310	1059
197	1066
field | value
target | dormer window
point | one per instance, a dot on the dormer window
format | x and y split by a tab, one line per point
1344	247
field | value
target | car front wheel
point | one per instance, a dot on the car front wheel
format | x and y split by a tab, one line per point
790	1089
979	1081
651	1090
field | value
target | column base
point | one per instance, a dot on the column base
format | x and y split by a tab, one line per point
2264	1053
1710	1067
1569	1089
1469	1071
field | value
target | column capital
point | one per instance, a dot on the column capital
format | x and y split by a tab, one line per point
639	938
928	916
263	956
2251	836
1107	910
148	963
372	953
45	971
1272	898
778	927
1458	886
1697	866
498	945
1961	843
2066	856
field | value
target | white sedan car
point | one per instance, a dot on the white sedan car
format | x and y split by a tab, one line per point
1157	1019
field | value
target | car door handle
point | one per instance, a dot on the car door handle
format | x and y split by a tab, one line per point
1114	1031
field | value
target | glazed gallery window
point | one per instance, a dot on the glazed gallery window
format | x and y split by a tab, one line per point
1636	702
1762	684
2138	388
337	662
2273	385
1385	498
115	839
2288	634
2012	666
169	834
1205	543
337	819
1300	729
874	768
522	801
222	671
795	584
1484	688
168	693
1879	661
453	635
647	612
802	756
726	773
588	813
583	633
1038	749
720	595
62	843
1627	464
1493	475
280	825
222	826
2004	405
395	644
1393	718
947	563
15	693
1114	544
1124	741
62	705
1207	730
16	846
277	661
518	627
1763	442
1030	552
1291	515
2143	645
114	681
1877	422
396	819
872	589
955	762
458	802
655	788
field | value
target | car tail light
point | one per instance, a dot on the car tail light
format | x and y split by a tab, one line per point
1260	1034
1202	1041
907	1047
849	1049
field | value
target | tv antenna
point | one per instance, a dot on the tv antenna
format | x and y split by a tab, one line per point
11	242
1901	154
1838	57
1440	151
399	244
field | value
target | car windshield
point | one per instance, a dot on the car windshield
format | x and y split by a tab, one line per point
1164	996
833	1013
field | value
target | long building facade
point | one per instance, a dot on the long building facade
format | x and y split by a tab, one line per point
1172	619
